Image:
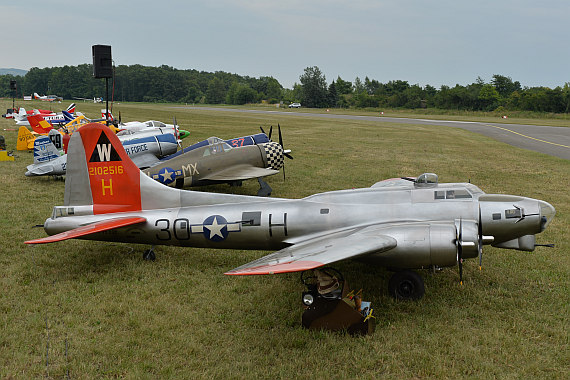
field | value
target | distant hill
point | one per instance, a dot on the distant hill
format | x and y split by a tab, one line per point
16	72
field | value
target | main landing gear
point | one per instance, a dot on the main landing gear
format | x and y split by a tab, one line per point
406	285
264	188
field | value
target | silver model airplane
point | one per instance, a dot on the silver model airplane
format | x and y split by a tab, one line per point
400	224
223	161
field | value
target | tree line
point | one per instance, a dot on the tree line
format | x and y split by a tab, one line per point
137	83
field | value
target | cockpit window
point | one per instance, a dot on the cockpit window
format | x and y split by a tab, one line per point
427	180
452	194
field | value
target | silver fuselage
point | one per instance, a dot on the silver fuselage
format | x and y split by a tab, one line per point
424	221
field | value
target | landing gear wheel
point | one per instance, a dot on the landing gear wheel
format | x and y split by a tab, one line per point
406	285
264	188
149	255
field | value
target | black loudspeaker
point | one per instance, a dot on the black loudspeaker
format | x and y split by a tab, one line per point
12	84
102	62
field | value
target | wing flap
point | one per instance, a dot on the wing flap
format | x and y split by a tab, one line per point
239	172
318	252
104	225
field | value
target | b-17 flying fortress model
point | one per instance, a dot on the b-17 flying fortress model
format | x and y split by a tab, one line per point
399	223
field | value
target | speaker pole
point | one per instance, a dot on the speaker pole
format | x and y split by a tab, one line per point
13	88
107	100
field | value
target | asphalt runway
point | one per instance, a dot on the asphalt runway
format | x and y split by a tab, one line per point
554	141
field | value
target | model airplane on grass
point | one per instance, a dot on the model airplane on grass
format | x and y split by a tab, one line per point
400	224
94	99
21	118
48	98
40	127
144	149
222	161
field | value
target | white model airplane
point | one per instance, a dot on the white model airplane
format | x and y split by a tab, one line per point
48	98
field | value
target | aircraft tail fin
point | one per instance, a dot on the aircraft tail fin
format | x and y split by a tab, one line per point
25	139
71	108
104	115
100	173
67	116
36	96
44	150
39	124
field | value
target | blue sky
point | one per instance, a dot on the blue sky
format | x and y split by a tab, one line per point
438	42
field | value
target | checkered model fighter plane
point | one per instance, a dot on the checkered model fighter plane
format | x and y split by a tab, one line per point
401	224
223	161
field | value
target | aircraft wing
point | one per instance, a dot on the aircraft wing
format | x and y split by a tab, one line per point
145	160
44	169
320	251
104	225
239	172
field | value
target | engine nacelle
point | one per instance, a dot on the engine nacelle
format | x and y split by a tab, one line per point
524	243
424	245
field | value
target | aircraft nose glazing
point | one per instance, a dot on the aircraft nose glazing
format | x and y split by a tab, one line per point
547	212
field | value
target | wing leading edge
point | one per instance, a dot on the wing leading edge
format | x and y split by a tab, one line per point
104	225
320	251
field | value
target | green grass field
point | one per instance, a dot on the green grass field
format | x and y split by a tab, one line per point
81	309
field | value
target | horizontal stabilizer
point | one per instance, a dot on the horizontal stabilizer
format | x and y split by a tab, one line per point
104	225
39	169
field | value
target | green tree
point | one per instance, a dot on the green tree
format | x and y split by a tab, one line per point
505	85
358	86
332	95
343	87
314	88
489	97
216	92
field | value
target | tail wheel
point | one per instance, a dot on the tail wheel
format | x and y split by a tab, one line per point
406	285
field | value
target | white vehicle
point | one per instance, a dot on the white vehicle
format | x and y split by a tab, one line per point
295	105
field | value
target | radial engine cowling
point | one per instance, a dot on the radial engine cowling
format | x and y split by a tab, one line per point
423	245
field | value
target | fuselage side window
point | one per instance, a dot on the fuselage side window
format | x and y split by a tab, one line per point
452	194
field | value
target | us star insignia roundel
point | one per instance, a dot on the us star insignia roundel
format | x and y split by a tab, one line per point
216	228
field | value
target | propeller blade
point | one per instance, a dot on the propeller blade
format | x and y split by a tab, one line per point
270	131
459	241
480	240
177	133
